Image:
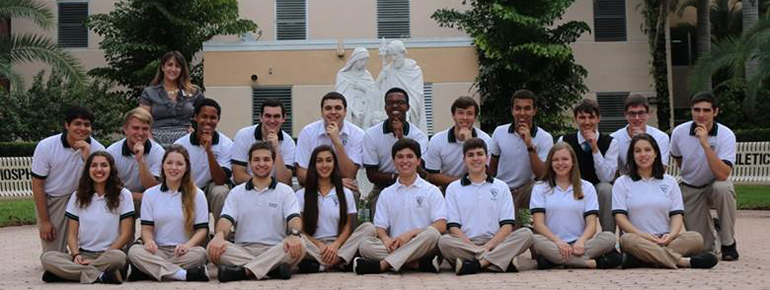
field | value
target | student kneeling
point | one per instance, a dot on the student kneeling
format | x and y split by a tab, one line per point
410	218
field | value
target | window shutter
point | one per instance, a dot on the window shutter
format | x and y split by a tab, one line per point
428	99
393	19
282	93
72	31
611	106
291	19
610	20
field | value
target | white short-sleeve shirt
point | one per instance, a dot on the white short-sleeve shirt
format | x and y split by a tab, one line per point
199	160
378	145
479	209
260	215
445	152
564	215
649	204
128	168
314	134
328	211
624	140
402	208
248	136
606	165
695	167
162	209
513	166
99	226
59	165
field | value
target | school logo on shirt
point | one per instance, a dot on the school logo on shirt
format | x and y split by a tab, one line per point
344	139
493	192
336	201
713	146
273	205
664	188
420	199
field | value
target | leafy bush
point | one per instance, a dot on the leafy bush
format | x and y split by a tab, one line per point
17	149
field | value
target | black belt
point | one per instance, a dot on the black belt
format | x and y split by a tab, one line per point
695	186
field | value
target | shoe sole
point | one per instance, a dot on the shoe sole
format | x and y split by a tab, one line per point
458	266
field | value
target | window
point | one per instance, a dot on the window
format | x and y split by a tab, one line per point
393	19
610	20
282	93
428	103
611	106
72	31
291	19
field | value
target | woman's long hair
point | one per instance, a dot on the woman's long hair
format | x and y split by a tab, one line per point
574	172
112	187
183	82
310	210
657	165
187	187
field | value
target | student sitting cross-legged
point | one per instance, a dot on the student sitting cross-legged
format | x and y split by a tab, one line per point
648	208
175	220
100	217
410	217
564	209
328	211
480	218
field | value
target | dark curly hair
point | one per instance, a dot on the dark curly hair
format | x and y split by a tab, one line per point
112	187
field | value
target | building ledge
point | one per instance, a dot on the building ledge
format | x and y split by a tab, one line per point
251	45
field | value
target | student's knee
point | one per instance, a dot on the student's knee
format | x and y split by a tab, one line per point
526	235
431	234
367	228
723	189
444	242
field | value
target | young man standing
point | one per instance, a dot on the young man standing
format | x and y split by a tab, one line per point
637	111
271	119
56	167
705	151
597	156
410	218
480	219
444	158
209	154
511	142
266	216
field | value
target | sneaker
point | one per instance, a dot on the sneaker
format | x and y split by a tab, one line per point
629	262
137	275
512	267
465	267
705	260
543	263
429	264
308	267
282	271
610	260
363	266
730	253
110	276
197	274
49	277
230	273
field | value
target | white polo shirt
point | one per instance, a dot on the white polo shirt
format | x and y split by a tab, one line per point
253	134
128	168
199	160
99	227
649	204
445	152
624	140
479	209
605	165
378	145
260	216
695	168
402	208
513	166
328	211
59	165
162	209
564	215
314	134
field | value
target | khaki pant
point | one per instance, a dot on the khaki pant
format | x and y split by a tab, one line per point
521	196
216	195
56	206
599	245
422	245
698	202
259	258
604	196
164	262
516	243
686	244
349	249
61	264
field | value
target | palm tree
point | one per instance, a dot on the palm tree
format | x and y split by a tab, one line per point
27	47
750	17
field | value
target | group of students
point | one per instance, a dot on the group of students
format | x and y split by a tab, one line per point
456	202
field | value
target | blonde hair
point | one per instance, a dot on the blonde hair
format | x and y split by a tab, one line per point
574	172
138	113
183	82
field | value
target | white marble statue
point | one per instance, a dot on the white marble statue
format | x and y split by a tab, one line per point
399	71
357	85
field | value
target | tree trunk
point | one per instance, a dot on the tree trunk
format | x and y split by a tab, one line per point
750	18
703	32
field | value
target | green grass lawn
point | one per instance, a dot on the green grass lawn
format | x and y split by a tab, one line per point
22	211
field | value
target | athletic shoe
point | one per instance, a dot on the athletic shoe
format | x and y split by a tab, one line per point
705	260
49	277
629	262
110	276
230	273
465	267
197	274
363	266
282	271
308	266
137	275
544	264
512	268
610	260
429	264
730	253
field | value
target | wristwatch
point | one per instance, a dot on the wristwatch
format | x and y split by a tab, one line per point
531	149
294	232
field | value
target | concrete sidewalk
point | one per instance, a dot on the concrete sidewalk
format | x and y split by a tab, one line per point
20	269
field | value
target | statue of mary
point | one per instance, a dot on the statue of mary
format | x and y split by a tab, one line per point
357	85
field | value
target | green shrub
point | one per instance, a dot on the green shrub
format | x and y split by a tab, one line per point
752	135
17	149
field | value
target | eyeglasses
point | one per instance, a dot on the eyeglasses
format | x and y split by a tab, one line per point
637	114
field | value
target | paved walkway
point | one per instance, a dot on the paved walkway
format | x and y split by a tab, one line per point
20	269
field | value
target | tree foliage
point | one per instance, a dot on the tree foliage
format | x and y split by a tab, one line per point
138	32
520	47
655	26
